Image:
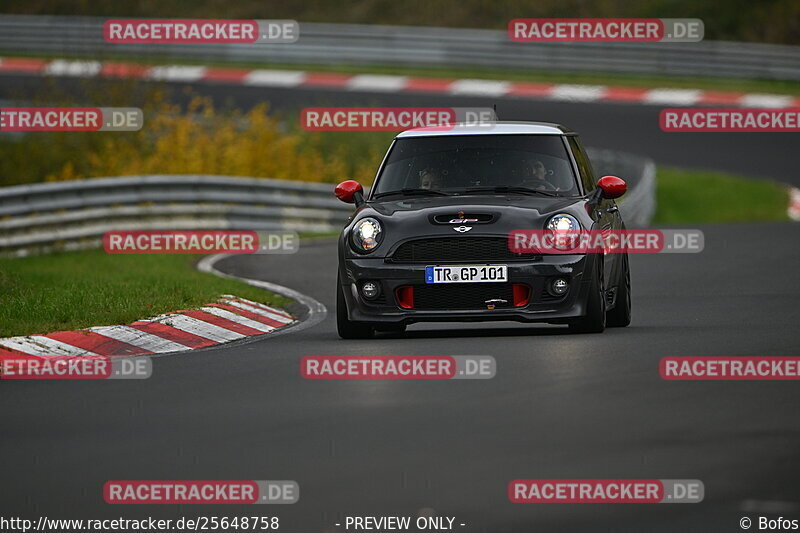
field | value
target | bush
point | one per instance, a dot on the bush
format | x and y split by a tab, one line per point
200	140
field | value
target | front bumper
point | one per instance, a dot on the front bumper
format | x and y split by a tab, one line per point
541	306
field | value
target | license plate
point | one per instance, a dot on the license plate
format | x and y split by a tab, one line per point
466	274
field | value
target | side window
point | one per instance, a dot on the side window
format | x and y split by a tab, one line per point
584	165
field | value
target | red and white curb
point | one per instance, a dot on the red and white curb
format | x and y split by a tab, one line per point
393	84
794	204
229	319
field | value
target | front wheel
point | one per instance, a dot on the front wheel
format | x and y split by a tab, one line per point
620	316
346	328
595	319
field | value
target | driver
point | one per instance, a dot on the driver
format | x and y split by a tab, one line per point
536	176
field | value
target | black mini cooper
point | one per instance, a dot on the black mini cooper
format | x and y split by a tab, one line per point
430	241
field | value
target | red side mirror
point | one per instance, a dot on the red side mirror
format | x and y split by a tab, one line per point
347	190
612	187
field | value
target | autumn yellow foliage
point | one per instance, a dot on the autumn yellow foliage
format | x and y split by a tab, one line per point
202	140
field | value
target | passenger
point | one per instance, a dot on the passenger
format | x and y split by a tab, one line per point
430	179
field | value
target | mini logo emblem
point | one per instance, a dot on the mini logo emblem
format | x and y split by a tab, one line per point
462	229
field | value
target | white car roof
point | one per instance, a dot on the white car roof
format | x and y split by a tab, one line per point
491	128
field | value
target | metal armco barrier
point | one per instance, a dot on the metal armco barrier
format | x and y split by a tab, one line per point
75	214
360	44
71	215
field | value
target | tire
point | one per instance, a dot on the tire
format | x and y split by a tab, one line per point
620	316
346	328
595	319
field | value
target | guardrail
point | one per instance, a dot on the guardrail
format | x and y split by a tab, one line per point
75	214
358	44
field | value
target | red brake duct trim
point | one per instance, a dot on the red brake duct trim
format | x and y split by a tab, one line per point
522	294
405	296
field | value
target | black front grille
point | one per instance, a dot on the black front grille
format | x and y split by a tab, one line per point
458	249
462	295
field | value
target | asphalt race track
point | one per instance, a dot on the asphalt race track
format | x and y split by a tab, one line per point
561	405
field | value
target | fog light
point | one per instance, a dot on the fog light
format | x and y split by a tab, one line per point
559	287
370	290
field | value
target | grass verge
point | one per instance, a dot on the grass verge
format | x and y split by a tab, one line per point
698	196
736	20
72	290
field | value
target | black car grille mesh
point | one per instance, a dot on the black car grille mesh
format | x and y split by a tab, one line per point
464	296
458	249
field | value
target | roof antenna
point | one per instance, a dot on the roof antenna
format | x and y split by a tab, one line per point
494	107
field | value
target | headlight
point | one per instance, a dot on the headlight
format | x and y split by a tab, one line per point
367	234
566	231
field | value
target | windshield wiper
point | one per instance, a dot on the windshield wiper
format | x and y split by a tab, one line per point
411	192
519	190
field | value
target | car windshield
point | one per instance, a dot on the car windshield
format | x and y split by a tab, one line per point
474	164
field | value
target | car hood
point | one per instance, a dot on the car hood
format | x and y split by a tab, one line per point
542	204
430	217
